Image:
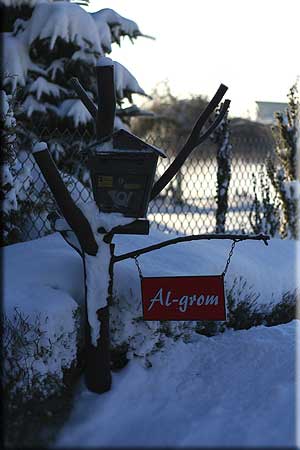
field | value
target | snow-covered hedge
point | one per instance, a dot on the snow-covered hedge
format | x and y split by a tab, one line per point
42	317
37	351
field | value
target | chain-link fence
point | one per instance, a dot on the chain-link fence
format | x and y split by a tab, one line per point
187	205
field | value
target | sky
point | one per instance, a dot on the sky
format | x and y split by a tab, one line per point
250	46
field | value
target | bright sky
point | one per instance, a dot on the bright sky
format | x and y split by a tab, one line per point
252	46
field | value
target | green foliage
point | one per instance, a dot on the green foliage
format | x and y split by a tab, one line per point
209	328
244	311
264	215
282	164
284	311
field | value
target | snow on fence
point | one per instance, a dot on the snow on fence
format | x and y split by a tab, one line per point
187	205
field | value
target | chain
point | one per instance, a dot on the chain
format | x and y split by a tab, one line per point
229	257
138	267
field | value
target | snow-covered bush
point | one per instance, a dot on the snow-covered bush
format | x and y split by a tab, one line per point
31	356
132	337
282	165
264	215
221	138
35	372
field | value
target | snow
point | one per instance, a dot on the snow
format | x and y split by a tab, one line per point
62	225
119	24
85	55
41	86
119	125
236	389
292	190
100	219
57	66
7	115
125	81
105	37
106	146
10	200
18	66
4	103
43	279
16	3
64	20
39	147
104	61
97	288
31	105
74	109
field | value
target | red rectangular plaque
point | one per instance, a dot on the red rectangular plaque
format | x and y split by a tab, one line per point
184	298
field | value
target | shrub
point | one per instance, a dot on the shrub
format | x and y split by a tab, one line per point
264	214
282	165
36	394
132	337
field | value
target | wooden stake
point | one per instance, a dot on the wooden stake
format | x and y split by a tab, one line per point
106	100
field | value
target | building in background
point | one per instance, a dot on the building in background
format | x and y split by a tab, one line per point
265	111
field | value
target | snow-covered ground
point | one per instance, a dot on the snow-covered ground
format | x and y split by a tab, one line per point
237	388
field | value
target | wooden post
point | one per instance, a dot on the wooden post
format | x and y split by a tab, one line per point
98	374
97	370
106	98
97	364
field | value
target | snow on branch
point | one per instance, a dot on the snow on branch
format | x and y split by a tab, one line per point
126	84
31	105
16	3
105	36
75	110
20	63
41	86
64	20
56	66
119	25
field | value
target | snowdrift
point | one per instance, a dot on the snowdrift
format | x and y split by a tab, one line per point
235	389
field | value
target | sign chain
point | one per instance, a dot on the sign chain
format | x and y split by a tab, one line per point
229	257
138	267
223	273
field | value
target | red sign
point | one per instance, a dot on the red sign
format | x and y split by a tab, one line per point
184	298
